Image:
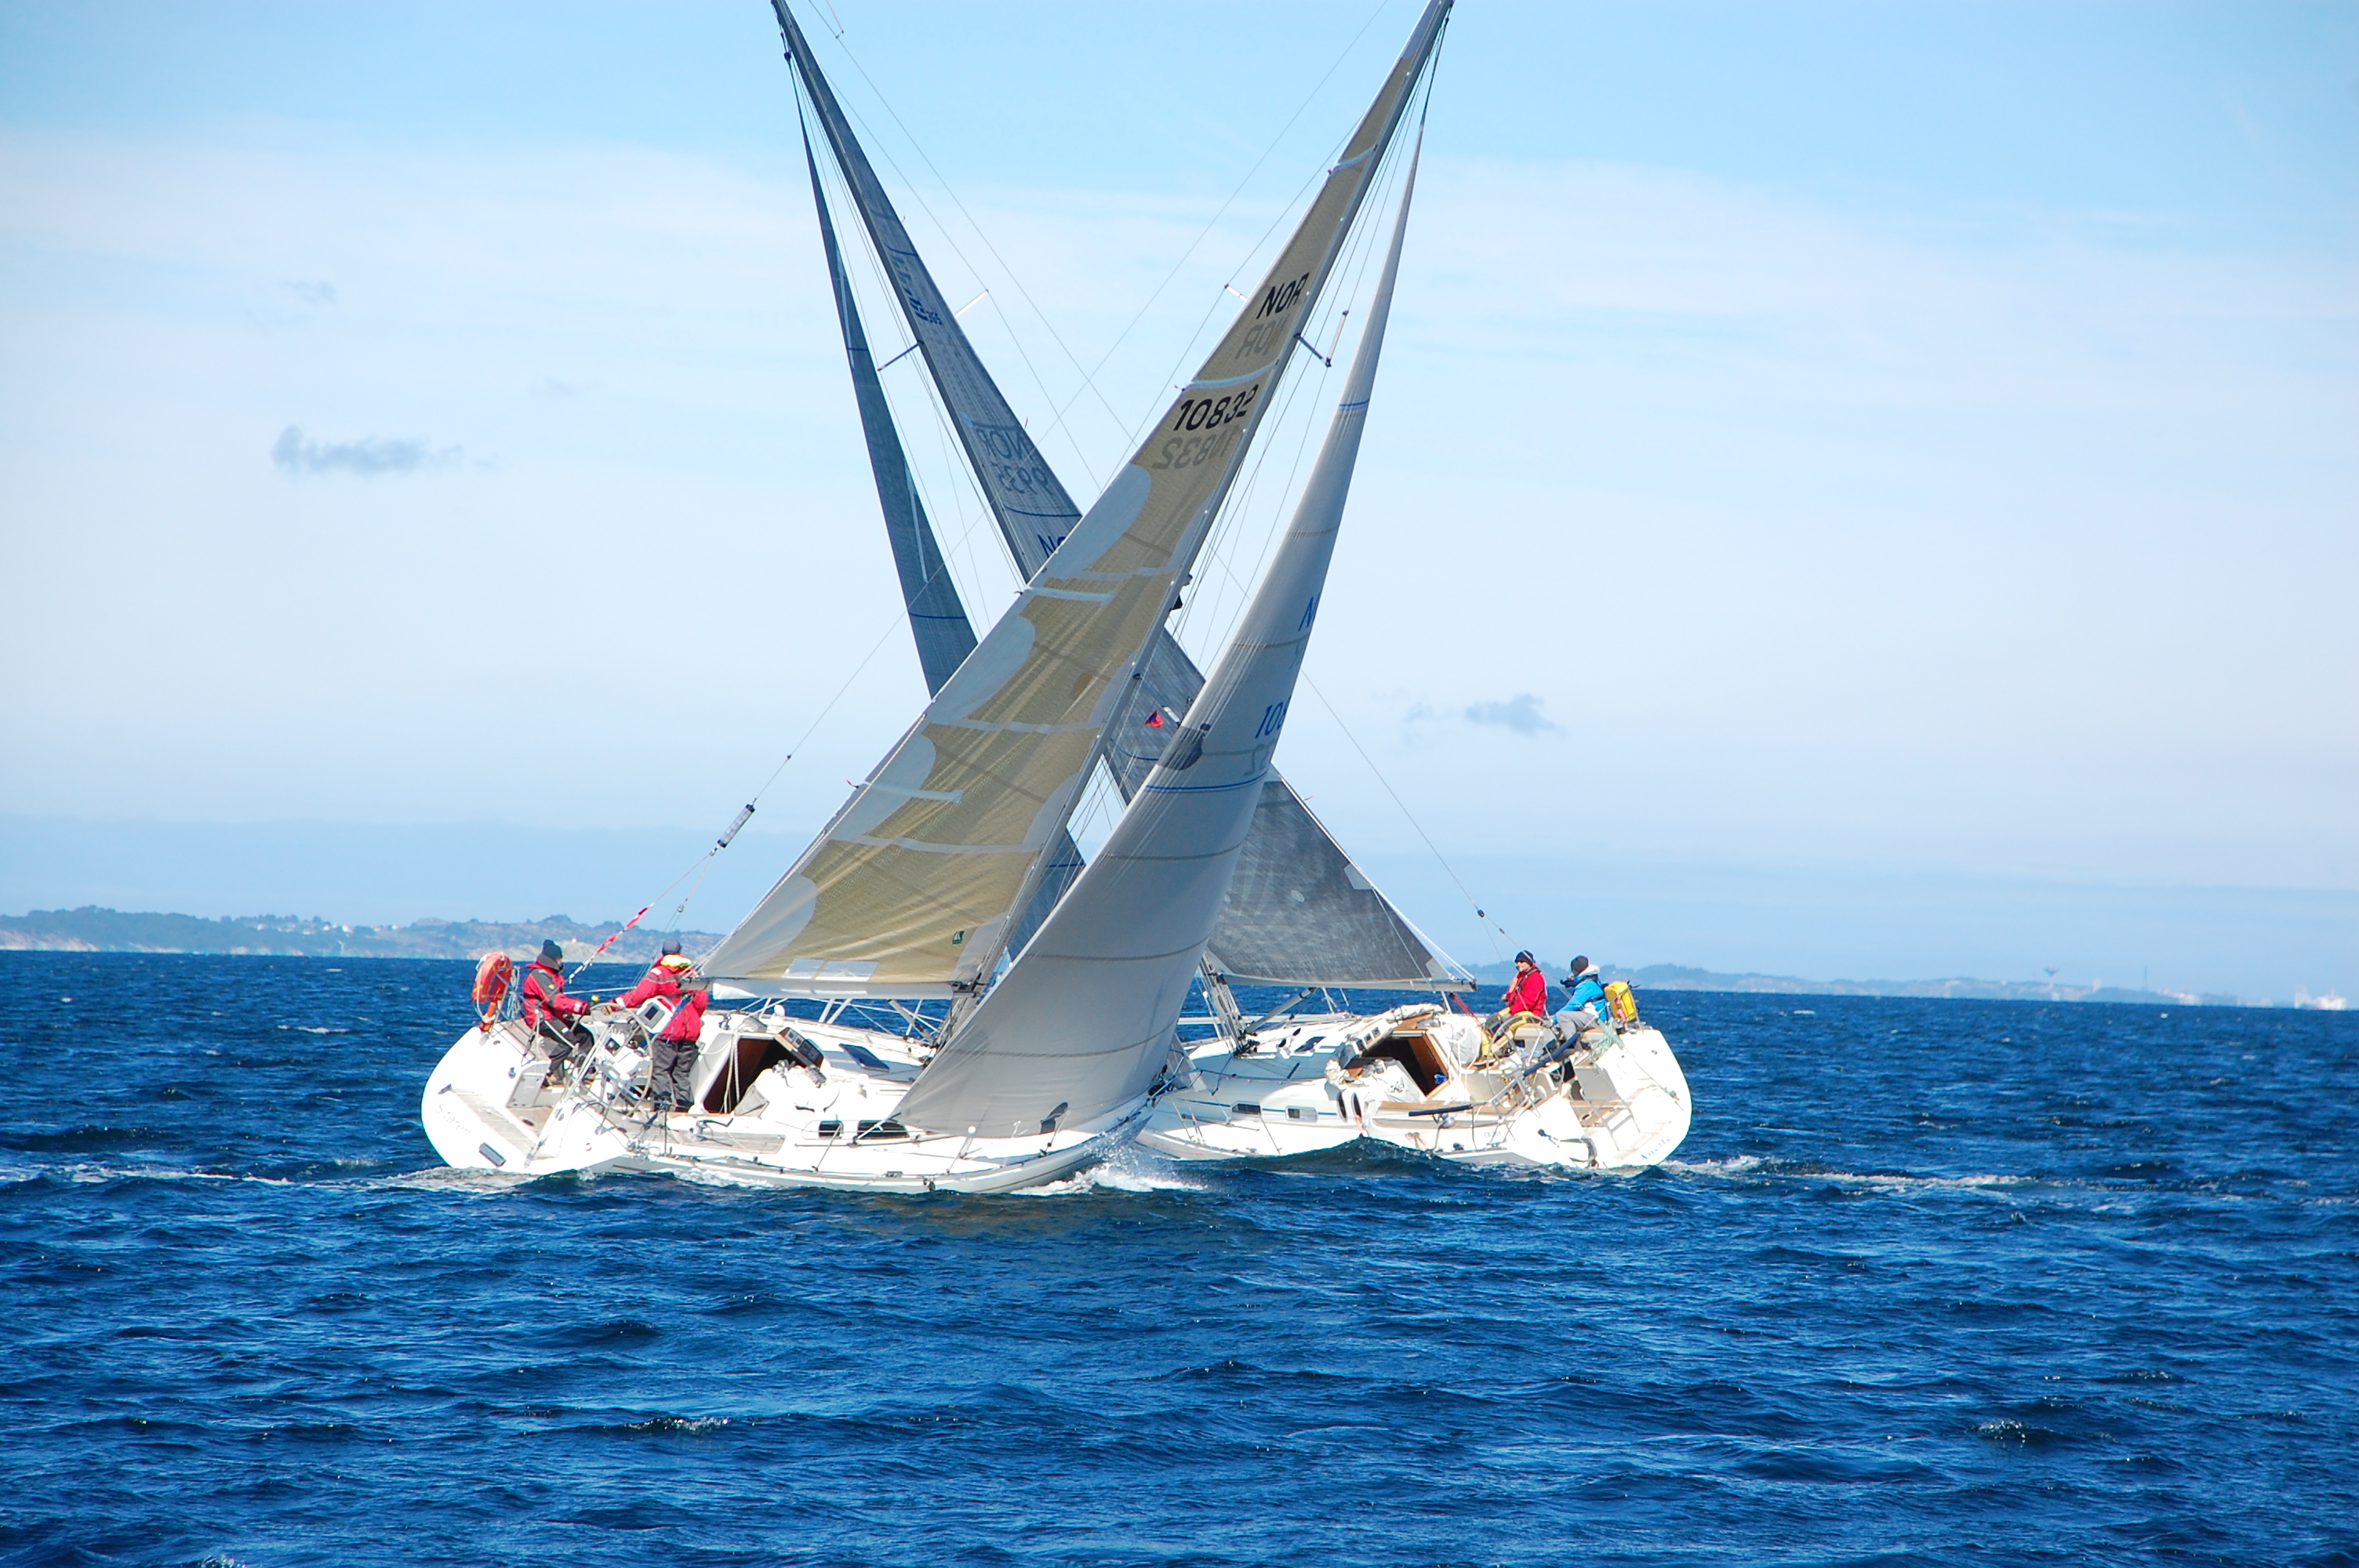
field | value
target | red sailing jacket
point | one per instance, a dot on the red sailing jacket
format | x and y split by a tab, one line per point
687	1019
1528	993
544	995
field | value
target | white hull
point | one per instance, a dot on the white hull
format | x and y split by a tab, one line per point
760	1117
1621	1108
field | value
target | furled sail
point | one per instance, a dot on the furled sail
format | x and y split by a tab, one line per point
910	889
1298	910
1081	1024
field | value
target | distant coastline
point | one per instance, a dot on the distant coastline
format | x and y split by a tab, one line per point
94	930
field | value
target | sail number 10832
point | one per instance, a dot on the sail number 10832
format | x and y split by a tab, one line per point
1212	418
1210	413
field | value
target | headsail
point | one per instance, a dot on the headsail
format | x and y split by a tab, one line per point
1298	911
1081	1024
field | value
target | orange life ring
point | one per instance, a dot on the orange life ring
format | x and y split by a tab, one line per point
491	978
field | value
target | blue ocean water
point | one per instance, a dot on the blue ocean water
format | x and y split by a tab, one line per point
1929	1280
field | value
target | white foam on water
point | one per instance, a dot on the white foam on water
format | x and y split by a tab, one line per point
1734	1165
1912	1183
1130	1170
1756	1168
84	1174
444	1178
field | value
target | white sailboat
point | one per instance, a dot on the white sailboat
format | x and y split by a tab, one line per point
915	889
1420	1077
1299	913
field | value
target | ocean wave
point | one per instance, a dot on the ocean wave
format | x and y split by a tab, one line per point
441	1178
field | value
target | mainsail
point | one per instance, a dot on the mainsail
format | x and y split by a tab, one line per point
1298	910
910	889
938	621
1081	1024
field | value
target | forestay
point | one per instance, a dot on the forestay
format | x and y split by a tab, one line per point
1298	910
908	891
1080	1026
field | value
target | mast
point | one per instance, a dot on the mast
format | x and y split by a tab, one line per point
1027	500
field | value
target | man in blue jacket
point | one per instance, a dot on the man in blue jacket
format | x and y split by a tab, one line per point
1586	1010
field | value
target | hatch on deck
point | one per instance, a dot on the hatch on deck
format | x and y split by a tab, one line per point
1413	1050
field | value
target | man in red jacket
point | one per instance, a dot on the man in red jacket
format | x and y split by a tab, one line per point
1527	992
548	1011
673	1066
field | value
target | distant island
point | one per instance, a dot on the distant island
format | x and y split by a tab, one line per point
93	930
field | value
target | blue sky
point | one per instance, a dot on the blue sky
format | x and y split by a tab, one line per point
1816	442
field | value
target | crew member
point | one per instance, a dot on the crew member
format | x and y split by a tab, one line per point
673	1066
549	1013
1586	1010
1527	993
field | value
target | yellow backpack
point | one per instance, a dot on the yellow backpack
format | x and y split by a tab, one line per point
1621	1001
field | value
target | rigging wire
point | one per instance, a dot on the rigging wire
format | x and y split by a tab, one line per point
1481	915
1360	250
1212	223
1440	859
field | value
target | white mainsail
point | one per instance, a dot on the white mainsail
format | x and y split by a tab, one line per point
1082	1021
910	889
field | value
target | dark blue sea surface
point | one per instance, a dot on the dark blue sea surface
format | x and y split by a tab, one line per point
1930	1280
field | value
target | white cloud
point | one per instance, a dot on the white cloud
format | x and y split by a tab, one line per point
1520	715
295	453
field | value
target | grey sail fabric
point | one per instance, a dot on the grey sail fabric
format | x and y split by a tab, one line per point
1298	894
1080	1026
1033	511
936	620
1299	912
